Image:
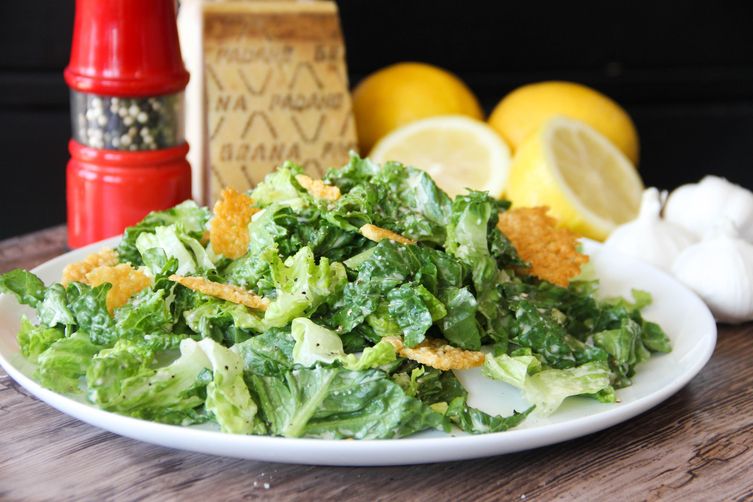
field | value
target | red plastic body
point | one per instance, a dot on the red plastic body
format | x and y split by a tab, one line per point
109	190
126	48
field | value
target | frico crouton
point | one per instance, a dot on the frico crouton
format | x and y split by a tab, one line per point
126	281
76	272
551	251
376	234
317	188
437	354
228	292
228	230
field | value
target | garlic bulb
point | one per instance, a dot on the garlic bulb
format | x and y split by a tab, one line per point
720	270
697	206
650	238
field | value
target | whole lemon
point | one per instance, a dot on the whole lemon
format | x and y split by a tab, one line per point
405	92
525	109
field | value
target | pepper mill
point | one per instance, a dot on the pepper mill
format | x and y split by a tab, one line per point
128	150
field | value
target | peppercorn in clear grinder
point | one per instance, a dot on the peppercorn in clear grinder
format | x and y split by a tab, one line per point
128	152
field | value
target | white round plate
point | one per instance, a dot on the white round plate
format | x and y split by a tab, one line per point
681	313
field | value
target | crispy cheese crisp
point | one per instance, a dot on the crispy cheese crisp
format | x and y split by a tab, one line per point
229	292
228	230
437	354
376	234
317	188
76	272
551	251
126	281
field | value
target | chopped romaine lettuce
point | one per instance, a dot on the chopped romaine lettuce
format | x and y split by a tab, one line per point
187	216
120	381
336	403
316	344
313	363
191	255
27	287
228	399
546	389
89	308
301	285
33	340
62	365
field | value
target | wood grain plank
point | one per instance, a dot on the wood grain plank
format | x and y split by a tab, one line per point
30	250
697	445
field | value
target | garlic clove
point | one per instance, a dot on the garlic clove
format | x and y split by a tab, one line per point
720	270
651	203
649	238
697	207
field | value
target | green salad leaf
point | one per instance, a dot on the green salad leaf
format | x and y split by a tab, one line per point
63	364
34	340
119	380
547	388
336	403
189	218
27	287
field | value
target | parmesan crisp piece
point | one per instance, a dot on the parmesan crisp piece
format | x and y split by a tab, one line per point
437	354
76	272
376	234
317	188
229	292
126	281
551	251
228	230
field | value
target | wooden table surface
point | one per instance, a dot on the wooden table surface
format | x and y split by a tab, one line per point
697	445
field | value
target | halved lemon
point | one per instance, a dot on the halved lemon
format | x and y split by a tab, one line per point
457	151
404	92
526	108
587	182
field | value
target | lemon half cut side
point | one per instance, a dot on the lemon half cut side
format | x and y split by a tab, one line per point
457	151
589	184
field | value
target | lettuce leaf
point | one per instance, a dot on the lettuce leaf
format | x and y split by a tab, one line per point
54	310
316	344
401	198
223	321
475	421
171	242
119	380
336	403
394	286
146	313
546	389
460	326
467	240
89	308
34	340
188	217
443	392
228	398
301	285
270	353
25	286
62	365
281	187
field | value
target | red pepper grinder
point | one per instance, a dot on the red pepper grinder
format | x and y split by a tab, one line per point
128	151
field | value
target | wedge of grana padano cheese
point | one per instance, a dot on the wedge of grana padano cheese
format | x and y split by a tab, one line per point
268	84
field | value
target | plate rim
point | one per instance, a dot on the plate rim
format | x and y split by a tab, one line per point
373	452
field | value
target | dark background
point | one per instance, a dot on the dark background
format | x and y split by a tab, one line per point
683	71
